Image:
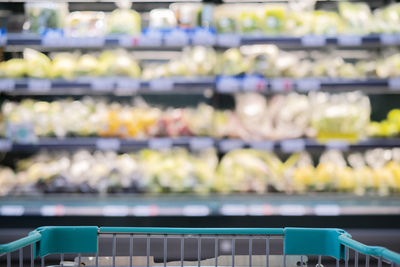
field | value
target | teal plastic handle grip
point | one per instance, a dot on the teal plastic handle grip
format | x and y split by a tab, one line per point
314	241
167	230
370	250
20	243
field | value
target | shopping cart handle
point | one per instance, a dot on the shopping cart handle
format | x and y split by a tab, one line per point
177	230
379	252
20	243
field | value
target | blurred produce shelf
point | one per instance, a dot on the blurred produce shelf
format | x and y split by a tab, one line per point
194	205
221	84
193	143
15	41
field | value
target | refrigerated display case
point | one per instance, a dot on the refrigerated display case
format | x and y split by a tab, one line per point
266	114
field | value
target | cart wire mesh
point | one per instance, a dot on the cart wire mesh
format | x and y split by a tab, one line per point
179	247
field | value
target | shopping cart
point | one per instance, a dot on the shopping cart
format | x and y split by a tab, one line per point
269	247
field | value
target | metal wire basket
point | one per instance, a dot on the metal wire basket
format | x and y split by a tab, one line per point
165	247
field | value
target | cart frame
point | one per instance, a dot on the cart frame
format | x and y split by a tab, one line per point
80	240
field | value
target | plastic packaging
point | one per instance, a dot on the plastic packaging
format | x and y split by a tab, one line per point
86	23
44	15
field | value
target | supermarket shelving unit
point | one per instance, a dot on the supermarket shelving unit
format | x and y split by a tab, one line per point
273	210
223	84
191	143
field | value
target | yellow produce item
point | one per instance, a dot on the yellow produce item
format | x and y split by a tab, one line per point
38	65
303	178
63	66
346	181
124	21
87	65
14	68
274	20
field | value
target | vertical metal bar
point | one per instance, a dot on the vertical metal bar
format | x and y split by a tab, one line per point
233	251
366	260
250	251
148	250
319	260
267	252
337	263
8	259
42	262
130	249
114	249
301	261
284	255
392	264
165	250
32	256
79	259
62	259
198	250
346	261
216	251
380	262
97	253
182	249
21	257
355	259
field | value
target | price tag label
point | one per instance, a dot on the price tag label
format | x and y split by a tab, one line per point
230	144
228	84
203	37
115	211
260	210
145	211
256	210
337	144
313	40
327	210
108	144
281	85
102	84
12	210
196	210
160	143
390	39
176	38
52	210
253	83
308	84
293	145
162	84
292	210
50	41
394	83
39	85
128	40
233	210
23	132
263	145
151	38
349	40
53	37
7	85
3	37
228	40
84	41
3	40
199	143
127	85
5	145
